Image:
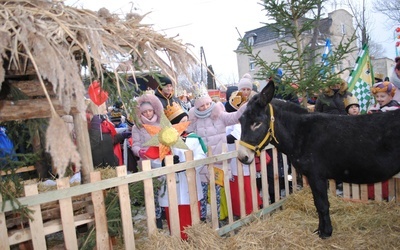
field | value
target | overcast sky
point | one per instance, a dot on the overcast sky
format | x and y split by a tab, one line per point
214	25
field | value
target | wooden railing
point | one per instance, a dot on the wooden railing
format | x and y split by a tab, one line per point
69	219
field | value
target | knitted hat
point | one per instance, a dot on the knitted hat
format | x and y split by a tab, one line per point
387	87
174	113
350	100
201	96
165	80
246	82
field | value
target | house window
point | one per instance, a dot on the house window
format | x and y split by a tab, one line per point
250	41
343	29
252	65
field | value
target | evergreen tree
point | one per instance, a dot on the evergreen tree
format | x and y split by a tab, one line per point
299	50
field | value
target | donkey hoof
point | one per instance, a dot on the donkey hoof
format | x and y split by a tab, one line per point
322	235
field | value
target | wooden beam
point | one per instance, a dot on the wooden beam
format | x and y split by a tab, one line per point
33	87
29	109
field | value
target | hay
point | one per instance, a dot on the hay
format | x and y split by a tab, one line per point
356	226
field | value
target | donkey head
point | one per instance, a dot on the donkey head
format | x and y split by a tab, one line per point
255	123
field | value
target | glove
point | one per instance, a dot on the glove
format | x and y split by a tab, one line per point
142	153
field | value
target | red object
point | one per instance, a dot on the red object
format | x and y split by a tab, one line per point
108	127
96	94
185	218
153	152
385	190
398	29
258	163
234	186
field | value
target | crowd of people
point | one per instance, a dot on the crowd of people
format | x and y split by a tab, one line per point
116	140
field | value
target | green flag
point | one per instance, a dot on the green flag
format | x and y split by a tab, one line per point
361	79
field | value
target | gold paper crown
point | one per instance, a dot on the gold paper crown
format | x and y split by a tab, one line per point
172	111
350	100
200	91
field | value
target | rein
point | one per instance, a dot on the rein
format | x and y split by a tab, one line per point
271	132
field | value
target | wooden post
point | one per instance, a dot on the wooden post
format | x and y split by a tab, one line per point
36	225
83	144
67	217
240	184
149	199
126	212
174	221
102	237
4	244
227	187
193	195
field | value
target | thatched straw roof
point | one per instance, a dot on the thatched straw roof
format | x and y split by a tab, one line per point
49	36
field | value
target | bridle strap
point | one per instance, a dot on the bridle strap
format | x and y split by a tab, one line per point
271	132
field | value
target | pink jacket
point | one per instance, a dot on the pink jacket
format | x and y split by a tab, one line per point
213	128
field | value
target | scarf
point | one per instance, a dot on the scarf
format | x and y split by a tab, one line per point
147	121
206	113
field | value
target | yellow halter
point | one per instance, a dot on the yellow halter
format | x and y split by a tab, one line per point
271	132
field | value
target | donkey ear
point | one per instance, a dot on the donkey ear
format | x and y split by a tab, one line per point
267	93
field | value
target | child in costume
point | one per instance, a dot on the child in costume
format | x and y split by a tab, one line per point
209	120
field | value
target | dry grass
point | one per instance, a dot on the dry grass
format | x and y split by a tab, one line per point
356	226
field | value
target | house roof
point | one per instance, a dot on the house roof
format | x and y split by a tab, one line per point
268	32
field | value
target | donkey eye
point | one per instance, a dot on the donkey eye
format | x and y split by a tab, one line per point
256	125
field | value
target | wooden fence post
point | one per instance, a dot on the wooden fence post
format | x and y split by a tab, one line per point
149	199
102	237
193	196
36	225
126	212
67	217
172	199
4	243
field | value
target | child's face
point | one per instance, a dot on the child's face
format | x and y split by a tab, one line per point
354	110
148	113
167	89
204	106
245	92
383	98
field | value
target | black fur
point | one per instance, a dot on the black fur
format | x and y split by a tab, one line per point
355	149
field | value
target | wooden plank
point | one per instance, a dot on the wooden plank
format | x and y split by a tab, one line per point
193	196
228	196
18	170
36	224
294	179
364	192
285	174
264	179
378	191
332	187
113	182
33	88
277	190
4	244
67	217
240	178
50	227
149	199
253	185
172	200
397	187
29	109
213	194
126	211
102	237
346	190
355	190
391	189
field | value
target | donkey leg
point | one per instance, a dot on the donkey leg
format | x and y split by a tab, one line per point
319	190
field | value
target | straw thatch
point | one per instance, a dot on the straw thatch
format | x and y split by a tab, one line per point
49	36
356	226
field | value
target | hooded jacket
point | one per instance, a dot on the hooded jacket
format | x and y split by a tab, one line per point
139	133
